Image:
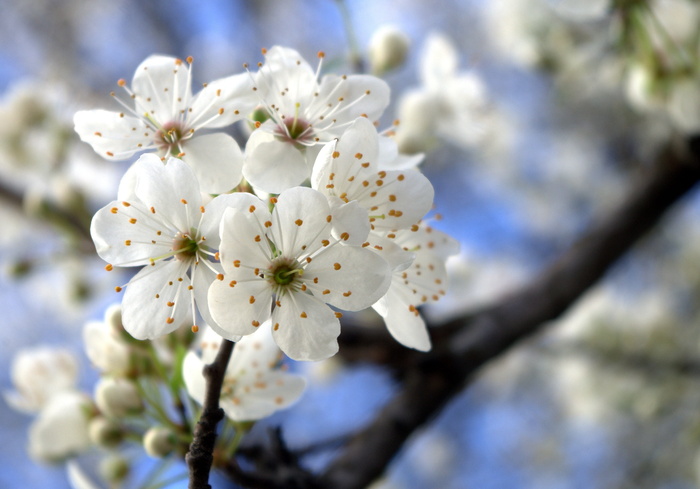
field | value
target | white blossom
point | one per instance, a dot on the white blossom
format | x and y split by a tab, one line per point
450	105
167	118
61	429
40	374
255	384
300	113
423	281
351	171
159	222
288	258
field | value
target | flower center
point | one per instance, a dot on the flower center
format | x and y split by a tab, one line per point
185	247
284	272
297	129
169	136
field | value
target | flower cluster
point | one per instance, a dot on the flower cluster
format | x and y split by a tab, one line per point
335	225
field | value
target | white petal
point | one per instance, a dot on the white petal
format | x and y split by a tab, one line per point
214	213
425	237
323	167
144	308
300	220
282	57
348	277
254	353
391	251
390	159
223	102
161	86
203	278
238	307
171	189
305	328
361	137
61	429
40	373
127	185
271	392
286	71
438	61
125	235
244	247
403	320
113	135
401	198
216	160
352	97
274	166
350	221
192	368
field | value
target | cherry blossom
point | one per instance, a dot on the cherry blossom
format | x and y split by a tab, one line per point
299	113
350	170
424	280
167	119
255	384
39	374
163	227
288	258
449	105
61	429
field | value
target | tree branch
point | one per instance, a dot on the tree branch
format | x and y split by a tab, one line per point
201	454
441	374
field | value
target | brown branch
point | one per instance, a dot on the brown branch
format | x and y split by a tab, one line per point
438	376
201	454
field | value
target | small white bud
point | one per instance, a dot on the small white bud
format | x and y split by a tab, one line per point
113	318
117	397
114	469
105	432
159	442
106	348
684	105
641	89
388	48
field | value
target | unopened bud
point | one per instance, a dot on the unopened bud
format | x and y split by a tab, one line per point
113	318
159	442
105	432
684	105
114	469
118	397
387	49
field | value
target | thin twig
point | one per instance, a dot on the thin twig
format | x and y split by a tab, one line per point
201	454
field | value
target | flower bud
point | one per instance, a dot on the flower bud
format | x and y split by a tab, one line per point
159	442
684	105
114	469
118	397
113	318
387	49
105	432
106	349
642	90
